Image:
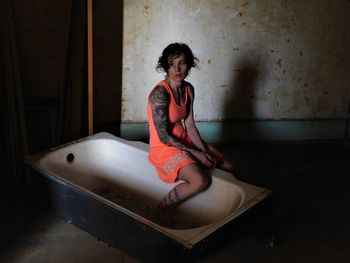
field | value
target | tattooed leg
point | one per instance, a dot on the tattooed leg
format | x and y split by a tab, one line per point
171	199
195	181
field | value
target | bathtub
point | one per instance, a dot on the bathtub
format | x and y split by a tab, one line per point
106	186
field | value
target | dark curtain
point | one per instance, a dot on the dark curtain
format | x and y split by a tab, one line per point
14	137
73	113
14	145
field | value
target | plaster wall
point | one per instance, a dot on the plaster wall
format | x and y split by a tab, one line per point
259	60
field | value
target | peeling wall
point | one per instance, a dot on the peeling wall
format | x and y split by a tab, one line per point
258	59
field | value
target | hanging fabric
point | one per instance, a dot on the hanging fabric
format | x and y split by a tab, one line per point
14	140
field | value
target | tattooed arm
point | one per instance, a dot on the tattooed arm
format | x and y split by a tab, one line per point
159	100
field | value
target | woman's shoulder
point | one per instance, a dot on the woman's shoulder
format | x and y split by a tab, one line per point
190	87
161	85
188	83
159	90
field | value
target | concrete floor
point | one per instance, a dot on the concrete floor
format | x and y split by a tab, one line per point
311	182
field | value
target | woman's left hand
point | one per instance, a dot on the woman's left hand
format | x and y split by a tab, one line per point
205	158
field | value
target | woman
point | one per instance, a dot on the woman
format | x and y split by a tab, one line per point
176	148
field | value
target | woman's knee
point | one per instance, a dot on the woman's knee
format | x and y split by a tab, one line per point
200	182
195	177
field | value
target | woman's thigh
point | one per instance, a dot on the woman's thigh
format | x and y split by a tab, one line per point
193	173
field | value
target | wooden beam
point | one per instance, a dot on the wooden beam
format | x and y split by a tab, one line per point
90	69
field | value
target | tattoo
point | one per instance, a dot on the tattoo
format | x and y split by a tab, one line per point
172	198
160	111
160	99
177	196
163	204
170	201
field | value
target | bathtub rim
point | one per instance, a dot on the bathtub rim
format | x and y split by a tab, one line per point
192	235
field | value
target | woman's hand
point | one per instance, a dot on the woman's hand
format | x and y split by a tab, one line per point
206	159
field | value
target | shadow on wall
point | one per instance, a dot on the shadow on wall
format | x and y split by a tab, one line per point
239	104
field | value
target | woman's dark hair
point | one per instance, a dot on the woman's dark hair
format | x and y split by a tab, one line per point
173	50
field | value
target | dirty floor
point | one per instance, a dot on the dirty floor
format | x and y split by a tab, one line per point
312	219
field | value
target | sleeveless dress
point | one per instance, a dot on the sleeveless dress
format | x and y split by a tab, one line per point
168	160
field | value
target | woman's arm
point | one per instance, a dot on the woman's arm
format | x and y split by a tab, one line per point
190	125
159	100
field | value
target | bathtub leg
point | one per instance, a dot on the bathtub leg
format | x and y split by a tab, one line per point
270	222
270	241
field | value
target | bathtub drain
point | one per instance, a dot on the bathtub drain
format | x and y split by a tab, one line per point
70	157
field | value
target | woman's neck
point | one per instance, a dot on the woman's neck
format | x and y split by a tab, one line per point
175	85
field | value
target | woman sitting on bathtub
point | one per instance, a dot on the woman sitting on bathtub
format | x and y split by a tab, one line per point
176	148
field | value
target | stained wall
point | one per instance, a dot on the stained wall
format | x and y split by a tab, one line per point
259	60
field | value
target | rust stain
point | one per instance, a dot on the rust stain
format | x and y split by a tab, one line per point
279	63
306	84
245	4
146	8
209	61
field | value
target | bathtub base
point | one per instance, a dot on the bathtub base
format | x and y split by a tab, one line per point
138	239
75	170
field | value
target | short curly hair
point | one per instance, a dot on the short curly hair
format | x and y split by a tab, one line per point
173	50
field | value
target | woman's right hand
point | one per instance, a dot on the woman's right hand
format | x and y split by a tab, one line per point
206	159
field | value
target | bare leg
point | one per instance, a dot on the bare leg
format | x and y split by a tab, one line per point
195	181
227	166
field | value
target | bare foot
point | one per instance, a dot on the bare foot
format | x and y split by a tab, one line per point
228	166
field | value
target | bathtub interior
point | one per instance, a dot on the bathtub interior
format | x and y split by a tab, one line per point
119	173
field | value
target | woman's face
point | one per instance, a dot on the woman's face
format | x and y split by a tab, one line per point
178	68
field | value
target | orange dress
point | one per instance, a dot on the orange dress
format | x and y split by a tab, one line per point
168	160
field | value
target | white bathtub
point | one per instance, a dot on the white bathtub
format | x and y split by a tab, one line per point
116	174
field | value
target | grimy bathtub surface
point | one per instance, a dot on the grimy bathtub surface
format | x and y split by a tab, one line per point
116	173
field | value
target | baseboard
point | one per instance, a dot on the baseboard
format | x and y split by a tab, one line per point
261	130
